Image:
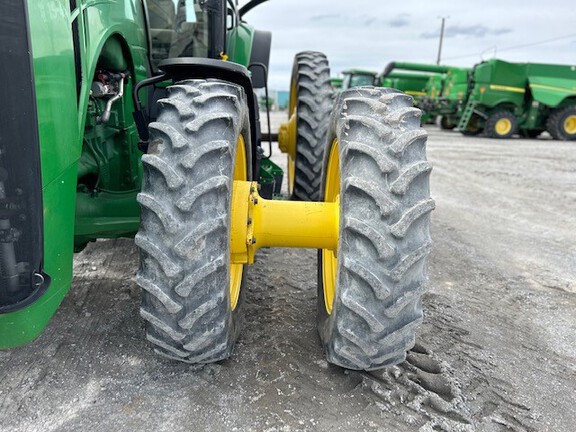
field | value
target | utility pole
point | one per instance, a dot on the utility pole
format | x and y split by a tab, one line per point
441	39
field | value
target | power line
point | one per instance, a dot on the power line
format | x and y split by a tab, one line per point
518	46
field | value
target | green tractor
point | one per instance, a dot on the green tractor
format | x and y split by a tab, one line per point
527	98
358	78
138	118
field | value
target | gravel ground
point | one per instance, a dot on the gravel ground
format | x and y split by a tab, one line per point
496	351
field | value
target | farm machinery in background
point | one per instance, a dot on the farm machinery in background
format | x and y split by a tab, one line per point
443	92
528	98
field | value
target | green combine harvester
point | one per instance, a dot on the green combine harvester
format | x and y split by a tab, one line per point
139	118
451	98
527	98
336	83
443	92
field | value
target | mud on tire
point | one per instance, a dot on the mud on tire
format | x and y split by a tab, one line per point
384	230
184	235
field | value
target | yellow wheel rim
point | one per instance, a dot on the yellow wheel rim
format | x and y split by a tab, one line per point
292	110
503	126
329	257
240	173
570	124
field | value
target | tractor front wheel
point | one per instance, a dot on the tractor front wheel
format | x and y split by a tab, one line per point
192	294
369	290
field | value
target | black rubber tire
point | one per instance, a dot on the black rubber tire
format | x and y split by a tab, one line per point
446	124
473	128
555	123
490	126
314	98
184	235
384	238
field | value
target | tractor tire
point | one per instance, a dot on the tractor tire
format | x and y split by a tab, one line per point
446	124
192	295
369	292
501	124
311	98
561	124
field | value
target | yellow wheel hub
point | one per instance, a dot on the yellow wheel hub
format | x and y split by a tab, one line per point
287	136
570	124
503	126
240	174
329	257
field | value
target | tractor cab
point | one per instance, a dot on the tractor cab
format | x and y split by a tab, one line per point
358	78
186	28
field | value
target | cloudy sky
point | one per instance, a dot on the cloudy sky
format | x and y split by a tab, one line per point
370	33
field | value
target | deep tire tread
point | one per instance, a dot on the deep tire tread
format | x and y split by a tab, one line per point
555	123
314	104
184	231
383	168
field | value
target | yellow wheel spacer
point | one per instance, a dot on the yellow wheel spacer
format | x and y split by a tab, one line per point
503	126
240	173
570	124
292	137
329	257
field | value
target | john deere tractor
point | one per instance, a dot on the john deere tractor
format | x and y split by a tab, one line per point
139	118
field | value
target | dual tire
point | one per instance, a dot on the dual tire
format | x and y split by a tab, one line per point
369	292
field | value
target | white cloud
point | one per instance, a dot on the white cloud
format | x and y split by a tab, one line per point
370	33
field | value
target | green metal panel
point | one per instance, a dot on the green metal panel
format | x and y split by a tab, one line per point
552	91
418	67
61	118
59	144
240	44
499	83
55	86
412	84
456	84
23	326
